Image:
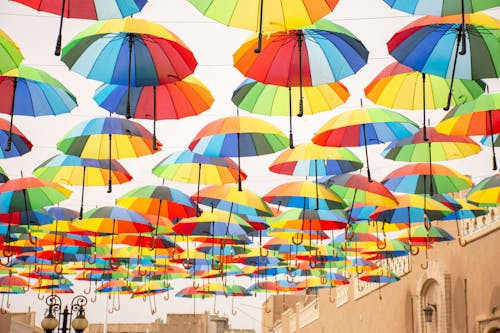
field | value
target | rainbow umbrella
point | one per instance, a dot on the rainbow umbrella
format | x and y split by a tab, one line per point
213	223
441	7
91	10
400	87
3	176
29	91
107	138
486	192
478	117
379	275
238	136
19	144
185	98
309	159
9	53
363	127
132	52
446	46
425	178
273	100
265	16
73	170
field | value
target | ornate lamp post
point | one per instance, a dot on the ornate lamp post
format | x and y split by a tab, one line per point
51	323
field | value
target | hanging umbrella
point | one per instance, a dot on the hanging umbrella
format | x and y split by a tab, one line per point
304	219
478	117
174	100
379	275
447	46
484	193
132	52
425	178
440	7
309	159
73	170
213	223
9	53
107	138
91	9
273	100
363	127
318	54
113	220
266	15
400	87
19	144
32	92
491	140
238	136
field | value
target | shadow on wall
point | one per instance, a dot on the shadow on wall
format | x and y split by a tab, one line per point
409	313
458	313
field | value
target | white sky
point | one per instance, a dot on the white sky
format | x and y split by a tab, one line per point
213	45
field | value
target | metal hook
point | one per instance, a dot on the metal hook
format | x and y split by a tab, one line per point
215	302
141	272
93	299
409	266
263	254
233	310
114	264
152	304
166	298
331	298
299	240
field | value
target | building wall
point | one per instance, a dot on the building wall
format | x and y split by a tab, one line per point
19	322
463	283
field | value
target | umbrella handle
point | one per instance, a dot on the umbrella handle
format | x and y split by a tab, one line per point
323	279
259	41
141	272
166	298
426	260
409	266
266	308
461	242
233	310
331	298
114	264
299	239
5	261
57	51
263	253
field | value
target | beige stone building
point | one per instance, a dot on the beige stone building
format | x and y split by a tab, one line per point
461	285
19	322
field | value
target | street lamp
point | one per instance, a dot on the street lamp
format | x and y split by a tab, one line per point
50	322
428	310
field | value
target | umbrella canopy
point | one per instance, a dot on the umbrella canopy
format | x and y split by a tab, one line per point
363	127
9	53
486	192
3	176
107	138
309	159
13	143
32	92
478	117
273	100
213	223
440	7
175	100
309	219
238	136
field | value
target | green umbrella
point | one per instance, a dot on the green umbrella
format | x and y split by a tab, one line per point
10	54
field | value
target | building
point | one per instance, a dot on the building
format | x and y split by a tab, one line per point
458	285
175	323
19	322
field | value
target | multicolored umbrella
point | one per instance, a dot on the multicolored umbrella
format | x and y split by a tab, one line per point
400	87
441	7
175	100
19	144
273	100
32	92
74	170
426	178
265	16
363	127
107	138
484	193
91	9
238	136
3	176
132	52
478	117
448	46
9	53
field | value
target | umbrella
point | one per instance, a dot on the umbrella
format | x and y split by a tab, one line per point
266	15
440	7
363	127
273	100
32	92
3	176
238	136
309	159
400	87
91	9
107	138
449	46
113	220
131	52
19	144
425	178
73	170
9	53
318	54
213	223
477	117
484	193
174	100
